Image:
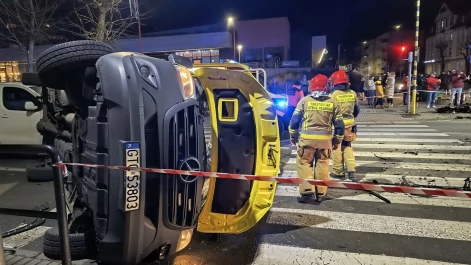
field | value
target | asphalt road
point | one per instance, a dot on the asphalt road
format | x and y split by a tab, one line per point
349	227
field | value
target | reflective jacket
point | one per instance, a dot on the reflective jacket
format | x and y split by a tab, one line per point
347	101
294	95
315	117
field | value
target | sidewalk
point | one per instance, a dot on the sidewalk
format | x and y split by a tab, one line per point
398	113
24	257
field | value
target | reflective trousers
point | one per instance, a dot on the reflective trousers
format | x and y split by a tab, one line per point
344	157
312	155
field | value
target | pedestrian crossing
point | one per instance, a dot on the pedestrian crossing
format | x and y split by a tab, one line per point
353	227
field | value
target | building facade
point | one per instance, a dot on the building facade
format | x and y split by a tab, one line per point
264	43
448	44
385	53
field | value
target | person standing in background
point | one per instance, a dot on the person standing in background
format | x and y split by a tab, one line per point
379	94
370	91
457	83
383	80
405	89
295	94
433	84
390	82
305	85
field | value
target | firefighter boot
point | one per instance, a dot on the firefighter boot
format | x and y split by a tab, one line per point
307	197
351	177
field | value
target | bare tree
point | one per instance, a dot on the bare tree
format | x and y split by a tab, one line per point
26	23
441	48
465	51
100	20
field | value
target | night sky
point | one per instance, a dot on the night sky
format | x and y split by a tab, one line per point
343	21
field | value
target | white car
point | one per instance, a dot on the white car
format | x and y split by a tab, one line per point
20	111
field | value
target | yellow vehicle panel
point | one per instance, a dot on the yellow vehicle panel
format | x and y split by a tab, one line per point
248	96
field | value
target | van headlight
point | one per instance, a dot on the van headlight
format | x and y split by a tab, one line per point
187	85
184	239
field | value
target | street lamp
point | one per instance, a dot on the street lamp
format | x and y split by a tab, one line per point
231	23
239	48
397	26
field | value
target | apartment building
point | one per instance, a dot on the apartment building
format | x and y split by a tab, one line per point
386	52
448	44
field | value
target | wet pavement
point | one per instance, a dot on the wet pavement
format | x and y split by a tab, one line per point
349	227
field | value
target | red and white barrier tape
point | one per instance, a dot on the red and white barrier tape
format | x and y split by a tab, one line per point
329	183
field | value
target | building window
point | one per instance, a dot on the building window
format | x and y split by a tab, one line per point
14	98
10	71
452	21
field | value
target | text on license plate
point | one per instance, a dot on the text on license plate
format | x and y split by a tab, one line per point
132	179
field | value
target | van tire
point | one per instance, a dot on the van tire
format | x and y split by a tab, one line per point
52	245
30	79
39	173
68	57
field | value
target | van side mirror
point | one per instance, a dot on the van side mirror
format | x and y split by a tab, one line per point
30	106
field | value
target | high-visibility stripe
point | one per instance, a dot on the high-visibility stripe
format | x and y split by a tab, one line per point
315	137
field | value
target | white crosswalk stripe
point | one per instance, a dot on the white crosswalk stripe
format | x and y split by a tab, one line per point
399	153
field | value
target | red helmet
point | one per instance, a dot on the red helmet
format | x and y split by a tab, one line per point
339	77
318	83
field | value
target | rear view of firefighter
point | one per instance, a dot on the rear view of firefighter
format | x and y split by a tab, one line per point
347	101
311	126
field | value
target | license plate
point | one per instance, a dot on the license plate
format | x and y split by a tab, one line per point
132	178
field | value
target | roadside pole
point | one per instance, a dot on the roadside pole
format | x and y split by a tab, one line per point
410	60
416	56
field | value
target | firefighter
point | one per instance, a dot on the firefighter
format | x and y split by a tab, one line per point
319	117
318	82
295	94
347	101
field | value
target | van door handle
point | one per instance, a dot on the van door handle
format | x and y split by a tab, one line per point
4	116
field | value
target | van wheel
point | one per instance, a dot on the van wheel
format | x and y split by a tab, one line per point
68	57
30	79
39	173
52	245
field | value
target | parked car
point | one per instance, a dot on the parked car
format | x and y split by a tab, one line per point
19	113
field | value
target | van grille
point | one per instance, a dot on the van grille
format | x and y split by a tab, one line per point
184	137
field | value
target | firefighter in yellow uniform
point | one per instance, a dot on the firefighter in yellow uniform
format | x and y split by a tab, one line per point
347	100
314	120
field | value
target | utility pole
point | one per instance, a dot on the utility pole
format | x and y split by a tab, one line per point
416	57
134	6
410	59
338	54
